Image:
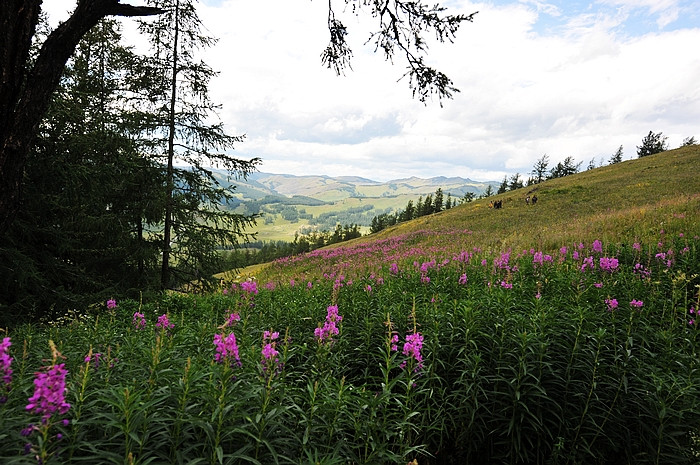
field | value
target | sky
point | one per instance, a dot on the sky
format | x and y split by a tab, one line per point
561	78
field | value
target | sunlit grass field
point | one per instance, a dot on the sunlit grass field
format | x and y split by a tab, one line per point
560	333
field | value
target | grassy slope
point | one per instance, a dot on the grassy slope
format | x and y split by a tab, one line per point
630	201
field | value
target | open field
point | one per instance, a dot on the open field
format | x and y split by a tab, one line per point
561	333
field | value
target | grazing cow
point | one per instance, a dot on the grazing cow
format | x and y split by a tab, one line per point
534	199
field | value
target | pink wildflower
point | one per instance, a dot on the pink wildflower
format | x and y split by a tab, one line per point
49	392
597	246
608	264
463	279
164	322
250	287
5	368
111	303
138	321
226	349
324	334
233	318
94	358
270	360
412	348
636	303
612	304
394	342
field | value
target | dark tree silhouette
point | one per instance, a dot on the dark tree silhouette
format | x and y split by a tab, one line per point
26	86
651	144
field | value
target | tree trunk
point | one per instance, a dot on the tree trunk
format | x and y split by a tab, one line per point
170	182
25	93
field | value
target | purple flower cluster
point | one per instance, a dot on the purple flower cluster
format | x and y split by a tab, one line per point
641	271
250	287
597	246
95	359
139	321
612	304
412	348
608	264
636	303
111	304
164	322
226	349
270	355
5	367
49	392
324	334
539	259
233	319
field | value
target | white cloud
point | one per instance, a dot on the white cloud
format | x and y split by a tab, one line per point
579	86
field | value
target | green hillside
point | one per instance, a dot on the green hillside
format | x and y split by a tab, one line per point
438	342
636	200
299	204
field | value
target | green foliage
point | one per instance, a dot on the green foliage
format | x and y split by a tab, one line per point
616	157
178	114
523	361
90	199
651	144
567	167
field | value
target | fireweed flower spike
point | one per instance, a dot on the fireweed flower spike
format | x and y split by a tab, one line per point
270	355
5	368
611	303
250	287
226	350
138	321
49	392
636	303
111	303
164	323
412	348
324	334
48	400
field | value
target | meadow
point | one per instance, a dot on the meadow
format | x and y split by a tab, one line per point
586	355
565	334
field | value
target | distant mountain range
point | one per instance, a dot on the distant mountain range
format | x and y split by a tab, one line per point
291	204
329	189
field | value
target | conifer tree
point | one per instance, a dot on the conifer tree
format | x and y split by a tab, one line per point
616	157
439	202
651	144
80	236
504	186
539	171
194	224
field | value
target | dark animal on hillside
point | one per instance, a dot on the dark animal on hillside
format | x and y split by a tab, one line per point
534	199
498	204
527	200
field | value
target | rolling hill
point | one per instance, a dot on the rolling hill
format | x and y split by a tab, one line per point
291	204
643	200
